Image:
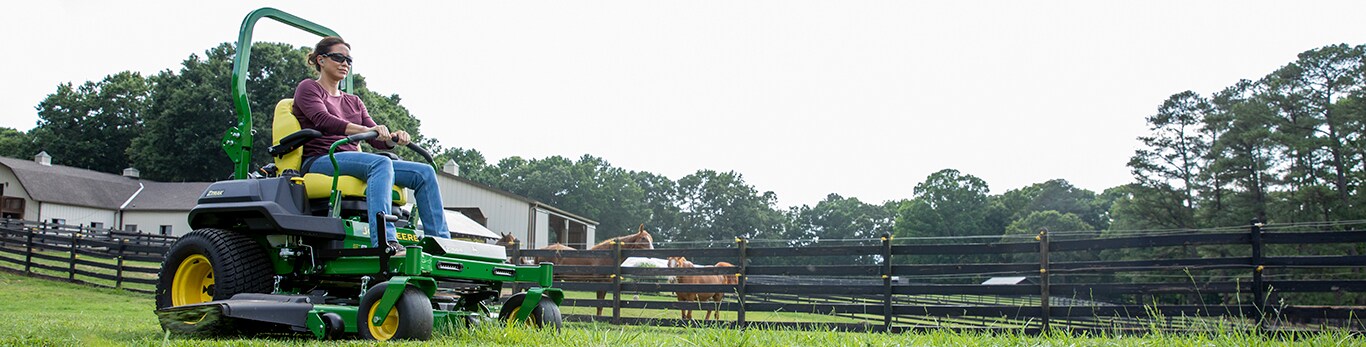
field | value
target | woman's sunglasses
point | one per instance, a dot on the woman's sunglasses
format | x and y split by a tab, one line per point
338	57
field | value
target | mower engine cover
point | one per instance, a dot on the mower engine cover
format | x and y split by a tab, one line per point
262	205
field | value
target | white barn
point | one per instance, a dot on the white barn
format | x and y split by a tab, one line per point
533	222
37	190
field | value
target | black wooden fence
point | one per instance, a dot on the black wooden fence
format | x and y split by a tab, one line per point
1256	278
100	257
1176	280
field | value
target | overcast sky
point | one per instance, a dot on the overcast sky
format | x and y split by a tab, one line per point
804	98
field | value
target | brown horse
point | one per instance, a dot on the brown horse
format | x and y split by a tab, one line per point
681	262
564	256
510	243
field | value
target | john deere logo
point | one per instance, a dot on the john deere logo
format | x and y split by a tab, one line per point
407	237
214	193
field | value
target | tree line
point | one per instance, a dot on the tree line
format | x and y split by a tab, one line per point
1286	147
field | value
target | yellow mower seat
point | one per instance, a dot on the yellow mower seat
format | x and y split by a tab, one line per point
317	185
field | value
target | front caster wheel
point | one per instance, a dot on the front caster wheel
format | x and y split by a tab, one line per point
544	315
410	319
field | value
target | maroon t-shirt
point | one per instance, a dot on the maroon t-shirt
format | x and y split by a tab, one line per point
329	114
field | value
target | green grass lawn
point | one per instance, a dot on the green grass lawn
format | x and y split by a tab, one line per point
38	312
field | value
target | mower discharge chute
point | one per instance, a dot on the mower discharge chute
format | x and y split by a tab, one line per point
283	252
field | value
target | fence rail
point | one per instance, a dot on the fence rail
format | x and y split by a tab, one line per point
99	257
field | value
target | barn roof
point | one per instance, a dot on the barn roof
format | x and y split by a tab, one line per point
168	196
81	187
71	186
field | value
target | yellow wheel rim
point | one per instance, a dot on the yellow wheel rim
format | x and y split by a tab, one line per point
389	328
513	315
193	281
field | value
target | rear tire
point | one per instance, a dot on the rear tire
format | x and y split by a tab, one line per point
212	264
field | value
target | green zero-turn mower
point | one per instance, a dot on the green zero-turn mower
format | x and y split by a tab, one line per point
279	251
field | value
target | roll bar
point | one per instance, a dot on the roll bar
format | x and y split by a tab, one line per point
237	142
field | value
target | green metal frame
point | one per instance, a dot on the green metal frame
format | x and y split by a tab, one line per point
335	198
237	142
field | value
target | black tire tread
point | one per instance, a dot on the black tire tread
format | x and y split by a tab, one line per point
545	314
414	310
240	265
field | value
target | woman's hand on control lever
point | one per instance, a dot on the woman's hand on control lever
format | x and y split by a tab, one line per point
383	132
401	138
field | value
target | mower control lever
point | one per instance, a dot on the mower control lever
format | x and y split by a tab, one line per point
421	151
365	136
369	135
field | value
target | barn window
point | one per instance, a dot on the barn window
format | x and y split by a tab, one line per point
166	230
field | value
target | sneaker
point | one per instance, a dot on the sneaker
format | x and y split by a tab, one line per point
397	249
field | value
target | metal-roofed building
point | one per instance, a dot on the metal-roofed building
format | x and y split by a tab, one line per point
37	190
535	223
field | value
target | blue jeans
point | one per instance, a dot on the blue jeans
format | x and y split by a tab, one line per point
380	174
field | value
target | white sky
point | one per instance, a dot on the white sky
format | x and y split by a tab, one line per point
805	98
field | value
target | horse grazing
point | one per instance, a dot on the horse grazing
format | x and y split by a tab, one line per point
564	256
681	262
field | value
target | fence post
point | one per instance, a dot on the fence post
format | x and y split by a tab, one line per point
616	282
886	282
516	259
1258	287
72	273
118	274
28	252
743	276
1043	279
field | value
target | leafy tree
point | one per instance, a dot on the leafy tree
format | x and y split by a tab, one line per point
1314	128
662	201
1142	207
837	217
1242	157
16	144
610	194
470	163
189	113
1066	226
1056	195
1173	154
948	205
590	187
717	206
90	126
